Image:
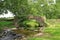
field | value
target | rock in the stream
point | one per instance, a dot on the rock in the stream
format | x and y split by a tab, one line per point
9	35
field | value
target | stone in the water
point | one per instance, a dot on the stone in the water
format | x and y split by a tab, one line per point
9	35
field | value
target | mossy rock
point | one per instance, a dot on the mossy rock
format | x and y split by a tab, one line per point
32	24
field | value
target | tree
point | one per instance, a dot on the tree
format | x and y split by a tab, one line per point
22	8
18	7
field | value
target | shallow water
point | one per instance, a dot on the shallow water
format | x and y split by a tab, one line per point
25	32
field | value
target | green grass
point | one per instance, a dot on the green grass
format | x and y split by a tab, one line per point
53	32
4	24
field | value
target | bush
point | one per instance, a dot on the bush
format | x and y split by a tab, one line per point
31	24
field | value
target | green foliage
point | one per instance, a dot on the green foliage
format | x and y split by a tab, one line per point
4	24
31	24
22	8
5	19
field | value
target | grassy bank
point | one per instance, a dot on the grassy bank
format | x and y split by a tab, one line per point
53	31
4	24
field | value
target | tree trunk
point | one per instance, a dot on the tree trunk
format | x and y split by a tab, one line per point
16	22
